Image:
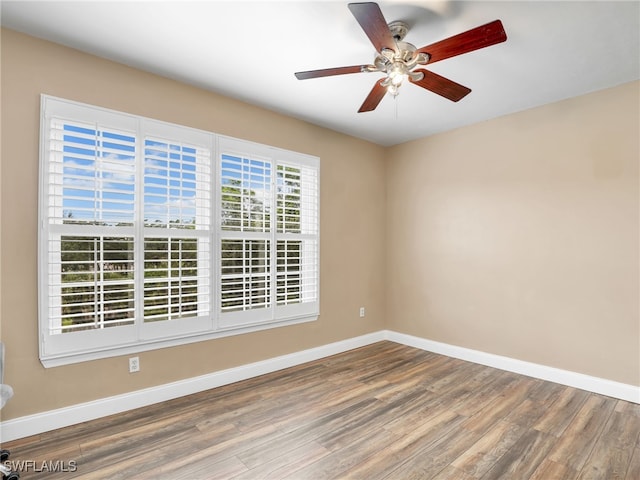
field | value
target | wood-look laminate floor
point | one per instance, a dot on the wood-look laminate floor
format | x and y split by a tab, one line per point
384	411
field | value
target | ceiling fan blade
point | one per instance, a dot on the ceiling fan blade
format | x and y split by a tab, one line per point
441	85
370	18
374	98
465	42
328	72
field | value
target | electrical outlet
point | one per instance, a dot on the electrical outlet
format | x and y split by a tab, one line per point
361	311
134	364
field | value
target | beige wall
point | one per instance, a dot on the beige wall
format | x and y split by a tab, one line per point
352	223
519	236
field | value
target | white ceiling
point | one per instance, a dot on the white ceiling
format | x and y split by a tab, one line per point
250	51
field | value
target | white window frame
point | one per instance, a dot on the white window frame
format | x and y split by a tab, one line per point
65	348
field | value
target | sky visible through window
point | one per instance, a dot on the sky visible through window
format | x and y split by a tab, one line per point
98	176
99	179
170	186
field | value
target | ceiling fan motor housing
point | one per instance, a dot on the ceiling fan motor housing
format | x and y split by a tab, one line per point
397	64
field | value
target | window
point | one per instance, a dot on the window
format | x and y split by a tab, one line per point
154	234
268	234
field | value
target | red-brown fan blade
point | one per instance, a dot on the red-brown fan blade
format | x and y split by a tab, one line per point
465	42
328	72
374	98
441	85
374	25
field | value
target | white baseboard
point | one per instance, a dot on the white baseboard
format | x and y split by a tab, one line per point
42	422
602	386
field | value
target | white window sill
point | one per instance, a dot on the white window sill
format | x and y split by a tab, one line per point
144	346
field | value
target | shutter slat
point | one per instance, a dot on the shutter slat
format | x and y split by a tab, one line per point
248	287
246	194
94	160
177	278
95	286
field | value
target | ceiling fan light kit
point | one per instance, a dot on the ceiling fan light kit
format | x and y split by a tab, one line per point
399	60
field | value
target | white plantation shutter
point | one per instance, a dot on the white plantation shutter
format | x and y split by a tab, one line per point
297	221
91	282
268	245
126	240
171	284
245	281
246	196
90	213
129	258
297	271
177	184
177	236
92	174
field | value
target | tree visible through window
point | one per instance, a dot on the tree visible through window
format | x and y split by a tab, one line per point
256	243
97	282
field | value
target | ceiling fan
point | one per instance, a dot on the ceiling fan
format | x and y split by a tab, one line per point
399	60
